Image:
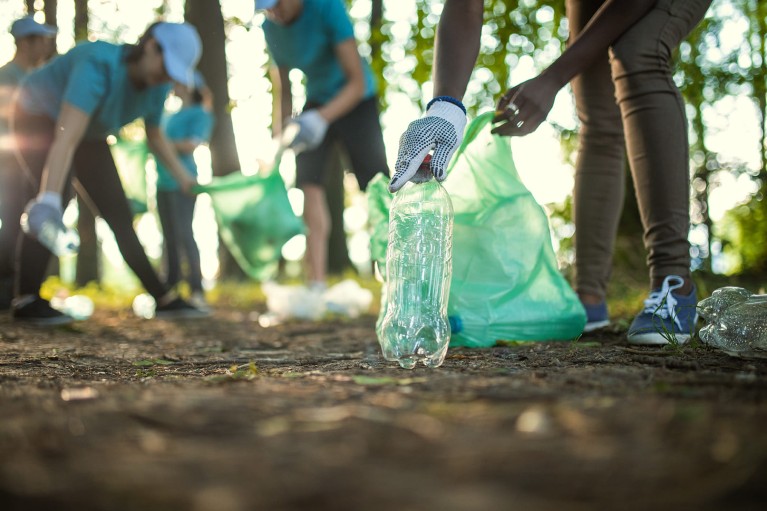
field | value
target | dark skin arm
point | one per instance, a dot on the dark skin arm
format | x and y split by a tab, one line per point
457	46
524	107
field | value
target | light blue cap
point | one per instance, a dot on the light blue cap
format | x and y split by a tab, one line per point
27	26
265	4
181	50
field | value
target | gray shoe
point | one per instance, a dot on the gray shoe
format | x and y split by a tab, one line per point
179	309
38	312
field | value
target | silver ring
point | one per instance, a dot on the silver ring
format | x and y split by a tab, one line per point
513	107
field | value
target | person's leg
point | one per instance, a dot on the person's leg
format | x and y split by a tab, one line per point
600	168
33	136
167	211
317	220
656	131
185	207
98	180
15	192
656	136
310	168
360	133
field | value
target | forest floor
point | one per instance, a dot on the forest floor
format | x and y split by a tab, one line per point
120	413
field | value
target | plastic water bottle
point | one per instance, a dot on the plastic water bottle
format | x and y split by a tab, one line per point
737	320
144	306
418	273
50	231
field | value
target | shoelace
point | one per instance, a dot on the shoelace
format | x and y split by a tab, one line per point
662	303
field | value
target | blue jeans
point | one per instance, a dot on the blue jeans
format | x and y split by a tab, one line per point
176	211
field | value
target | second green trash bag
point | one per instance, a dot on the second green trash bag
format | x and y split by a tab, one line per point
506	284
255	219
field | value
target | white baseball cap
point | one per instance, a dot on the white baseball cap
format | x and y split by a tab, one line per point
265	4
27	26
181	50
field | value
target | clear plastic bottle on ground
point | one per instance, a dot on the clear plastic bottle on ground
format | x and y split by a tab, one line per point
418	273
49	230
736	320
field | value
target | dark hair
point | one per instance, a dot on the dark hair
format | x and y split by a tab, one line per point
196	96
135	51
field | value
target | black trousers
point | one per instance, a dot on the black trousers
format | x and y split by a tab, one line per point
95	175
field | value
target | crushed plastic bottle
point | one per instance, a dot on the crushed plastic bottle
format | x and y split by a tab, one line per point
418	273
144	306
79	307
737	320
49	230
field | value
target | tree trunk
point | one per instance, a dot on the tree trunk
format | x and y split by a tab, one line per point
30	7
50	8
206	16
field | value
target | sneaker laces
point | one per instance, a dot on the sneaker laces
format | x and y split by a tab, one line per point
662	303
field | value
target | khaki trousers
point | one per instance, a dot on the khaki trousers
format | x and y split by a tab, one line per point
628	104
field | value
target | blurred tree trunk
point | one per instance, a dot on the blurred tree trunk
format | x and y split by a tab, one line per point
30	7
50	8
760	86
206	16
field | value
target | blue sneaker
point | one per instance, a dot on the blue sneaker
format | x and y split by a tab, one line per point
596	316
666	316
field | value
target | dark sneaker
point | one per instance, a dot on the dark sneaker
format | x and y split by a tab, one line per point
36	311
179	309
596	316
667	317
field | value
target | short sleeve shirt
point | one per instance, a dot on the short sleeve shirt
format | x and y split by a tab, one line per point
93	77
190	123
10	77
309	44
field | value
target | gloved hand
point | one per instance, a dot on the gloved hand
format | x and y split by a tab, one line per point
440	129
313	128
42	220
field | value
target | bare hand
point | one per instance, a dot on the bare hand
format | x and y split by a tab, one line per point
524	107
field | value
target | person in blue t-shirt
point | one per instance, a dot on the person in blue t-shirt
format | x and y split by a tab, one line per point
317	38
62	117
34	45
186	129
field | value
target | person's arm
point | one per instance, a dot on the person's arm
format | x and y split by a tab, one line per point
350	95
47	207
456	46
524	107
161	147
186	146
441	128
70	129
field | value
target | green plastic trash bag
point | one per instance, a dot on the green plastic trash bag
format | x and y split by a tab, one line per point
254	219
130	158
506	284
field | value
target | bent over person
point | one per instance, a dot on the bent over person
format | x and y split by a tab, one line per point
62	117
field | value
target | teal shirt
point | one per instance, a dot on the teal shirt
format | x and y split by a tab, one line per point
10	77
93	77
190	123
309	44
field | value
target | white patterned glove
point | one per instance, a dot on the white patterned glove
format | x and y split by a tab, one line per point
440	129
313	128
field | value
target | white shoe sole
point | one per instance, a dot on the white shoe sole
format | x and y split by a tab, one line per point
656	339
590	327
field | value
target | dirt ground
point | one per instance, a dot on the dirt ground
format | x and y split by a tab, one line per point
119	413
